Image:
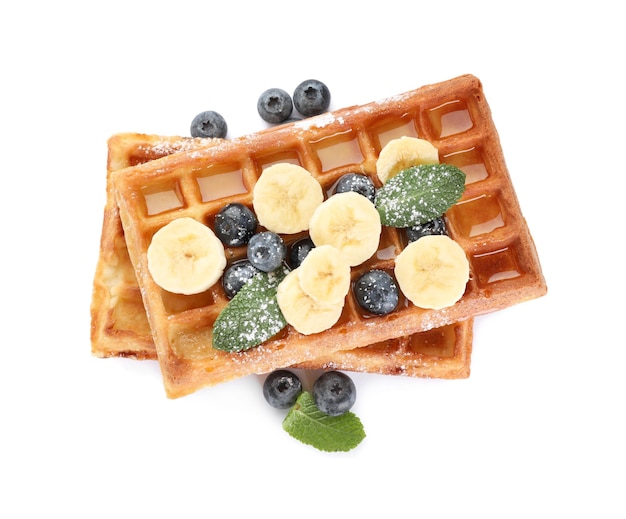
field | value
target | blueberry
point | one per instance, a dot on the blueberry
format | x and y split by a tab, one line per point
358	183
334	393
282	388
311	97
266	251
377	292
274	105
235	224
436	226
209	124
236	276
299	250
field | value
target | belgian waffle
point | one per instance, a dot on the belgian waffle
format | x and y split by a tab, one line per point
120	326
487	222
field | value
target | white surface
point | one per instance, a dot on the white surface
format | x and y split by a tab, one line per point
536	431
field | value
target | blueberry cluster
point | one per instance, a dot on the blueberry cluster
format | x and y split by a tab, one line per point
275	106
334	392
236	226
311	97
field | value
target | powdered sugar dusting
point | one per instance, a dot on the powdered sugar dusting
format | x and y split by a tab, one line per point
252	316
318	122
419	194
167	147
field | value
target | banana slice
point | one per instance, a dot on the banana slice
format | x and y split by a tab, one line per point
324	275
402	153
285	197
432	272
303	312
186	257
350	223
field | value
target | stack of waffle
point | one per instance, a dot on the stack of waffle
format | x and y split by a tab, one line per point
153	180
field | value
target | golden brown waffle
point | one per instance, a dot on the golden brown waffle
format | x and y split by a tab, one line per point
120	326
487	222
438	353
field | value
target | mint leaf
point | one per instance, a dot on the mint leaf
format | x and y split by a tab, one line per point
419	194
252	316
306	423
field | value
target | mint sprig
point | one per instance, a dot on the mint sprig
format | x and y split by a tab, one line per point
252	316
306	423
419	194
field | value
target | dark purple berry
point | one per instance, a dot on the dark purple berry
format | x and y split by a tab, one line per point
235	224
334	393
282	388
377	292
274	105
209	124
266	251
311	97
236	276
358	183
436	226
298	251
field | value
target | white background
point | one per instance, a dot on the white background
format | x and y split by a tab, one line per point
536	431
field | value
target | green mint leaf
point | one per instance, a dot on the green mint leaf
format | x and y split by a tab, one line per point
419	194
306	423
252	316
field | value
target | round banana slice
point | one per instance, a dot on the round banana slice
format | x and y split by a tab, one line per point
324	275
402	153
186	257
285	197
350	223
432	272
303	312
